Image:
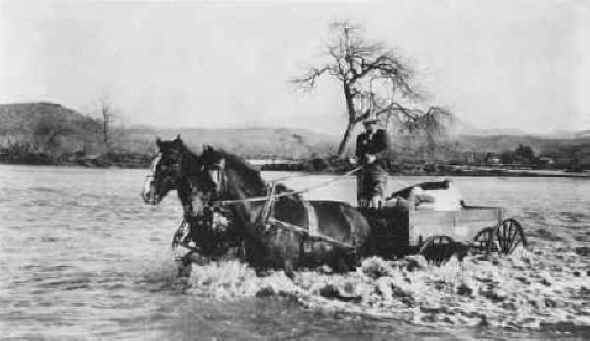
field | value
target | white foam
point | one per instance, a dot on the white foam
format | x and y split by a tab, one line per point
523	290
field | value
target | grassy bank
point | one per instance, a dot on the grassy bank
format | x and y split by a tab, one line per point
25	155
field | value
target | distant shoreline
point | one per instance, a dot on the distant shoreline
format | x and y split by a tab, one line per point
74	164
528	174
106	160
143	161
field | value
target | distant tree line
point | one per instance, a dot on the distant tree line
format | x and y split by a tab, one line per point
522	154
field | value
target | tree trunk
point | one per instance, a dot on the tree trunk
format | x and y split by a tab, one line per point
105	130
345	139
351	120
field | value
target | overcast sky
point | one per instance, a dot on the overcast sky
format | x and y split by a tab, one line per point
496	64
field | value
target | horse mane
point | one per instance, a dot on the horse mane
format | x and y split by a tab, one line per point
250	175
193	159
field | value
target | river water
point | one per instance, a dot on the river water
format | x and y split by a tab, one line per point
81	257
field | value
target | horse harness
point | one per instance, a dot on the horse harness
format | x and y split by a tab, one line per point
268	221
266	218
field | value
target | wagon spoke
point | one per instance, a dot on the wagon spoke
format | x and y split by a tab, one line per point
510	240
500	236
515	238
515	241
507	240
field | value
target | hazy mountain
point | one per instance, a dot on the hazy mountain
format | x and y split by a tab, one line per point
59	129
25	118
251	142
50	127
499	143
462	127
47	128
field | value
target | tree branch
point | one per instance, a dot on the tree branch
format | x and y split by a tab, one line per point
308	81
355	62
362	117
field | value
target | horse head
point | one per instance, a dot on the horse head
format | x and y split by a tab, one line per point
164	171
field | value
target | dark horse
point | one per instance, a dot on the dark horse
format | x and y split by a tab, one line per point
177	168
277	227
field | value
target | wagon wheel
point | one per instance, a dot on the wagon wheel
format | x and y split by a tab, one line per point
484	240
438	248
510	235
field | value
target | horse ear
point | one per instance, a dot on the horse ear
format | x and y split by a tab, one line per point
178	140
158	142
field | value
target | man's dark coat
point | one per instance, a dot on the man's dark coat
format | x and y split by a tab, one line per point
366	143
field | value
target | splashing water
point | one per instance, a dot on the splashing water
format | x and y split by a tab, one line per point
519	291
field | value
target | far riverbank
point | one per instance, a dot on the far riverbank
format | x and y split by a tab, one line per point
313	166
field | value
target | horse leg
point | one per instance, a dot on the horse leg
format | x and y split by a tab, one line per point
339	263
242	253
184	266
255	254
289	269
291	252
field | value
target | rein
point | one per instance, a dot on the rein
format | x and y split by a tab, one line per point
284	194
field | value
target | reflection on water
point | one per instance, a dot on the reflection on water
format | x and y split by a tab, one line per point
82	257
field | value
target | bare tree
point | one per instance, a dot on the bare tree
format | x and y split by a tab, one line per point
356	63
432	124
106	112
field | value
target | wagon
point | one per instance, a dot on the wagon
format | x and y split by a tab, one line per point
409	228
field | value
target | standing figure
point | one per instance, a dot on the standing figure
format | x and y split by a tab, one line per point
372	178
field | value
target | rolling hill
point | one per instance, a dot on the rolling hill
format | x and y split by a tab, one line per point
47	128
24	118
250	142
59	132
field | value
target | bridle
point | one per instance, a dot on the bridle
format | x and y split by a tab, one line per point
150	179
218	176
158	172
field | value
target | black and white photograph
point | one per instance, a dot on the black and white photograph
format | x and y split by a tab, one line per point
294	170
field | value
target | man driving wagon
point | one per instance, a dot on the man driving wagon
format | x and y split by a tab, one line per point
372	178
